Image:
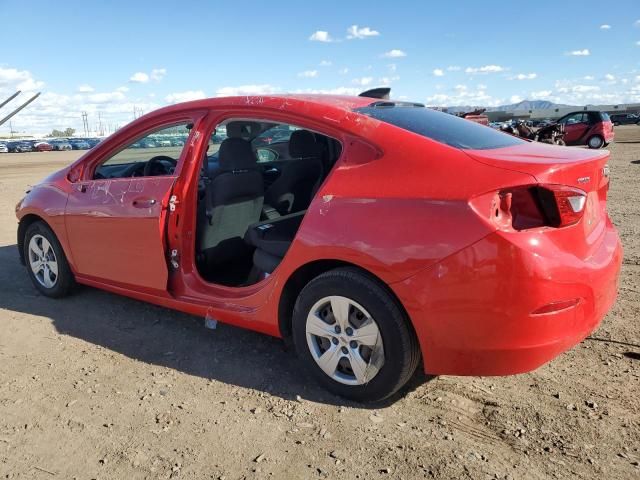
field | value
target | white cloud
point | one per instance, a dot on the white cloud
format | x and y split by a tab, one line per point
364	81
325	63
588	77
579	53
605	27
84	88
524	76
638	43
609	77
361	32
308	74
158	74
321	36
263	89
107	97
185	96
139	77
18	80
438	72
485	69
122	89
453	68
343	71
388	80
395	53
392	67
636	23
515	99
541	94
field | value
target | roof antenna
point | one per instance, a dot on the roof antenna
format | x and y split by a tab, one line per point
382	93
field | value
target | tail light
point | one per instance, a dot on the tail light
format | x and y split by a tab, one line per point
543	205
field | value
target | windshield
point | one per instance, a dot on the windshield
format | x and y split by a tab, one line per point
441	127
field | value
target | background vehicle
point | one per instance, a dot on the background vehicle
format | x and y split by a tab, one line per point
358	240
60	145
19	146
591	128
79	144
4	148
41	146
625	119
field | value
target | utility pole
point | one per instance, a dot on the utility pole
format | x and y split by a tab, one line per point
100	123
85	123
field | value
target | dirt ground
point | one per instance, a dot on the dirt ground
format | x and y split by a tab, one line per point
100	386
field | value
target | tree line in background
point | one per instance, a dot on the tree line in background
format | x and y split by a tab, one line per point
62	133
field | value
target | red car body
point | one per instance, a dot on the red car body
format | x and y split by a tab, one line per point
591	128
433	223
42	147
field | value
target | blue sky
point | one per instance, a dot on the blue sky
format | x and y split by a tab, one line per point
108	57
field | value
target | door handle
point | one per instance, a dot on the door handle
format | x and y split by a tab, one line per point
144	202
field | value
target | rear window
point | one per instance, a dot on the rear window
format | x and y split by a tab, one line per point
605	117
441	127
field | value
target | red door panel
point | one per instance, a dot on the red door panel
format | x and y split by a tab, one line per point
116	229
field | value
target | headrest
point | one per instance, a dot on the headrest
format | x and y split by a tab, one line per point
303	144
242	129
236	154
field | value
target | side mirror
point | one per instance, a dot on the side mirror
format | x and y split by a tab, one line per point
75	174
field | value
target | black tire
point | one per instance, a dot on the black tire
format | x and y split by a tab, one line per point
594	145
64	281
401	351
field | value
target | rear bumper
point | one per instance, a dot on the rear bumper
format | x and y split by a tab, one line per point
608	137
474	311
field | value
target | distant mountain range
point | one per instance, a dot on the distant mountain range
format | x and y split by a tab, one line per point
523	105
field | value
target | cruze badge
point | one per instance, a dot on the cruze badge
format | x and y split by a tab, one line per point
584	179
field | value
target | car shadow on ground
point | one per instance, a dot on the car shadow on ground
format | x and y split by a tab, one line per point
170	339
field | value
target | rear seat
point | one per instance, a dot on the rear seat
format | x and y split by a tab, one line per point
272	239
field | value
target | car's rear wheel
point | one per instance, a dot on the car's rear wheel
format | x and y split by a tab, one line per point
46	263
353	337
595	142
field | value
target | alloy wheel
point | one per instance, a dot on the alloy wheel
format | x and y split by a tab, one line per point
43	262
344	340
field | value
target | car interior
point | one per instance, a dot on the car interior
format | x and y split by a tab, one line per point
257	180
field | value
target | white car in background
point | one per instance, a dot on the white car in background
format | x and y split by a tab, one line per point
4	148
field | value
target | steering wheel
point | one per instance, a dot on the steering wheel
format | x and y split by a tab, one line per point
154	164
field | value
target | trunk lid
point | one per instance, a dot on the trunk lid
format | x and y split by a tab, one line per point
574	167
579	168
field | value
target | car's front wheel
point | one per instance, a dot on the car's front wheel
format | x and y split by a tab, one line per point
353	337
46	263
595	142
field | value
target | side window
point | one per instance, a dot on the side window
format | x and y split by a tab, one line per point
154	154
573	119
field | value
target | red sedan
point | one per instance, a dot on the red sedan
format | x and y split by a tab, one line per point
381	237
42	147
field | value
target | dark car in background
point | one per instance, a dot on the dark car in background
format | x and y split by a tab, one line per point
589	127
625	119
19	146
60	145
79	144
92	141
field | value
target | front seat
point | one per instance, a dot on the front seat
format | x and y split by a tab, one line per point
234	194
300	178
